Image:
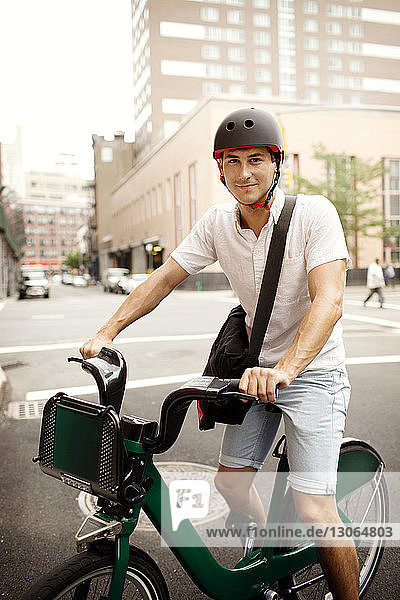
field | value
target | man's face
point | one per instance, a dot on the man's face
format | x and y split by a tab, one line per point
249	173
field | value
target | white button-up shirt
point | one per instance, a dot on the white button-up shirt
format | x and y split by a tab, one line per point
315	237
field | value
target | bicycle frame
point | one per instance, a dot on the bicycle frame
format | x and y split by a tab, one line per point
253	574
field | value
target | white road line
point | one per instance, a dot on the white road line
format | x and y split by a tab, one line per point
371	360
1	306
92	389
372	304
45	317
133	340
372	320
154	381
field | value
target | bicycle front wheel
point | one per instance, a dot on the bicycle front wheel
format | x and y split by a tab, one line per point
368	503
88	576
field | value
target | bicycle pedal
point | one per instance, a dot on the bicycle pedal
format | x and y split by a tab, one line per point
94	529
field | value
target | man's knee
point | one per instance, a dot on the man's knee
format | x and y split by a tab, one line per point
315	508
229	481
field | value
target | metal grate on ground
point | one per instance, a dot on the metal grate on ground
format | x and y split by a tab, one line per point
25	410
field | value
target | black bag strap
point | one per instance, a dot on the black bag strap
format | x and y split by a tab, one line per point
272	271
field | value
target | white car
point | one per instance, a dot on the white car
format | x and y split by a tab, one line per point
80	281
111	278
129	283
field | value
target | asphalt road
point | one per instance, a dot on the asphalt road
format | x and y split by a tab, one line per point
39	516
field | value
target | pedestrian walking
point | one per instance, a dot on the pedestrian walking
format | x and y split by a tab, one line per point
375	281
389	275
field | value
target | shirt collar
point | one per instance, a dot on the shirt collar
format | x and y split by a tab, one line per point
275	211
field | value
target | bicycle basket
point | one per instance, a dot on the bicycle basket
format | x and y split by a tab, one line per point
81	444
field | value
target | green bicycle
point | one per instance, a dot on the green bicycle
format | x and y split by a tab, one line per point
90	447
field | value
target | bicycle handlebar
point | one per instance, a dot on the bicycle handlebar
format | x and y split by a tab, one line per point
109	370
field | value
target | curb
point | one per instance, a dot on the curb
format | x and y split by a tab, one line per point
3	386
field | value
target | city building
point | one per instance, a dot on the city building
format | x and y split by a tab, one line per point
56	205
112	160
316	51
155	205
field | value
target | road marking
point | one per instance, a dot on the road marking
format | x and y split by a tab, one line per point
372	320
133	340
155	381
372	304
371	360
1	306
54	316
92	389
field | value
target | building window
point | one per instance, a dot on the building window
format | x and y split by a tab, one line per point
237	36
237	89
211	87
356	66
237	54
355	83
193	194
310	26
333	28
210	51
312	96
262	57
263	90
106	155
311	61
168	194
261	20
159	199
311	78
209	14
261	75
335	98
235	17
335	46
335	63
178	208
261	3
335	10
336	81
356	30
262	38
356	99
311	43
354	47
310	7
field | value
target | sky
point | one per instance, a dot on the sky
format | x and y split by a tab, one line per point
65	73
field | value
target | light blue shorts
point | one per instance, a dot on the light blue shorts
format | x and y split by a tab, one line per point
314	408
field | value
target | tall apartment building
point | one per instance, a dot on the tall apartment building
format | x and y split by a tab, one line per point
56	206
314	51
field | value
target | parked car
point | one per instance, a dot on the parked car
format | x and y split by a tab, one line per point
67	279
33	283
80	281
129	283
111	277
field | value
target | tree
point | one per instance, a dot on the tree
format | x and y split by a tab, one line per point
352	185
75	260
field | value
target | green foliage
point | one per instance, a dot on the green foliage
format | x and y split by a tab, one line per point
352	185
75	260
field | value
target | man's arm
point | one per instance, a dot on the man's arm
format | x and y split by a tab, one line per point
140	302
326	286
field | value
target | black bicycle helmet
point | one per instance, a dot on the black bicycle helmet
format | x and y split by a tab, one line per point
246	128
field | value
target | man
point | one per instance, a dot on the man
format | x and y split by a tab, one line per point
303	351
375	281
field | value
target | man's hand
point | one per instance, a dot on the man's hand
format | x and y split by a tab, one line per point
93	346
263	383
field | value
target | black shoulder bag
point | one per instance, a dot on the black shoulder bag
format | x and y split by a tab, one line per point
231	352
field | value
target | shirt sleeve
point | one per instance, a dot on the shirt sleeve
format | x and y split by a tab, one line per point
325	237
197	250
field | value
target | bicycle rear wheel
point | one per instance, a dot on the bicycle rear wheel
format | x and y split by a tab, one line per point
87	576
370	503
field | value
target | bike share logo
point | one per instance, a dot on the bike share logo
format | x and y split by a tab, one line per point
189	499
